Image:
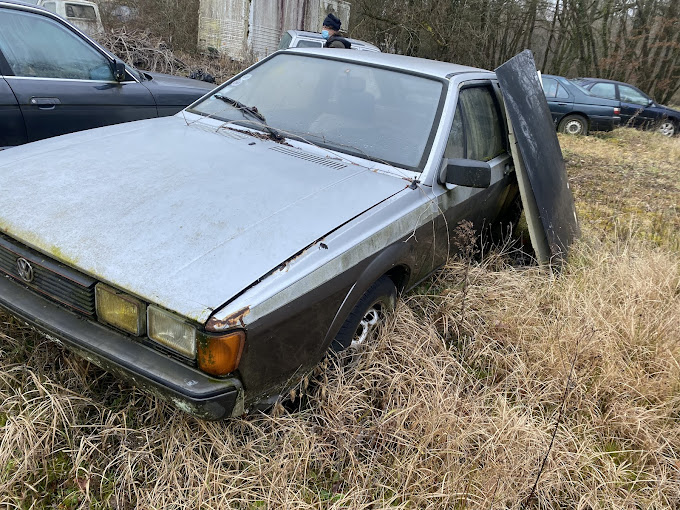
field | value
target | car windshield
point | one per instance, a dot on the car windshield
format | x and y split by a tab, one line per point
377	113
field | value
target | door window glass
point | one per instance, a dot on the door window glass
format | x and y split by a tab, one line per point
630	95
38	47
606	90
483	134
550	87
455	147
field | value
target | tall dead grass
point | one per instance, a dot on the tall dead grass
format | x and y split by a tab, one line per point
141	49
450	407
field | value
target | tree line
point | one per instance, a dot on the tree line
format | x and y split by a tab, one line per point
636	41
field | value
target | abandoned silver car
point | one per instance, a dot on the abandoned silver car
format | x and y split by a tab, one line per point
214	257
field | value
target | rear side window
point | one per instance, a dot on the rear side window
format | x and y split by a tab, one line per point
606	90
561	92
304	43
550	87
285	41
38	47
482	123
81	12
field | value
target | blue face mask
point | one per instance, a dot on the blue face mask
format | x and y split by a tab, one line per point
324	34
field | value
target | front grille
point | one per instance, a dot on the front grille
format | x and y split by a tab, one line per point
52	279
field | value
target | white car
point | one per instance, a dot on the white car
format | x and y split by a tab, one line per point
81	13
304	39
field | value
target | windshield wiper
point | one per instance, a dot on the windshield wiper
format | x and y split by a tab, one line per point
252	111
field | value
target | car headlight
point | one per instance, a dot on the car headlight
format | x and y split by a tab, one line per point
217	353
120	310
173	332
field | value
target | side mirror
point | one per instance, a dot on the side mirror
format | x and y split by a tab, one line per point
650	102
467	172
118	69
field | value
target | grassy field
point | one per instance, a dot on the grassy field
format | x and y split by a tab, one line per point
574	378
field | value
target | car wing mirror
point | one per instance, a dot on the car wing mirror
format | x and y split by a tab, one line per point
467	172
650	102
118	69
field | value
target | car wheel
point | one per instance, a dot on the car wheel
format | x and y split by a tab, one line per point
367	315
667	128
573	125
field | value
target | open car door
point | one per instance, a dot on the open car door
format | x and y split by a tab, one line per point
542	176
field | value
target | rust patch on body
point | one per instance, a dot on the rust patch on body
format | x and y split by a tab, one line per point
232	321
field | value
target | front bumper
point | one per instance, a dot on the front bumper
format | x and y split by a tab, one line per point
188	389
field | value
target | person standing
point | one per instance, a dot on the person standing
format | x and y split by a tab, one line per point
330	32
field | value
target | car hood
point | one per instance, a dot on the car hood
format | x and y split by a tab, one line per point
176	213
668	109
167	80
175	91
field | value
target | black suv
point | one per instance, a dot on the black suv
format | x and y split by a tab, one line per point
637	108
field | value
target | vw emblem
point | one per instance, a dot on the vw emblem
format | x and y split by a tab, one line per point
25	269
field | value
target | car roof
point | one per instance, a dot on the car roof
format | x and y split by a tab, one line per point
77	2
40	7
605	80
412	64
317	35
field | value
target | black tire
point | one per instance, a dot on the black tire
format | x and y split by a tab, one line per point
380	298
573	125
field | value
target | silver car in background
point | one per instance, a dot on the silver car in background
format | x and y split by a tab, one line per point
304	39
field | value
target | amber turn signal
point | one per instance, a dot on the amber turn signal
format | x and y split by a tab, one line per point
220	354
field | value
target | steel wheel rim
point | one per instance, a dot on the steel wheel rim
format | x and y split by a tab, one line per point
667	129
368	324
573	127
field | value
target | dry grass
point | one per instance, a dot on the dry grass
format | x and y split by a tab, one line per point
443	410
143	50
627	183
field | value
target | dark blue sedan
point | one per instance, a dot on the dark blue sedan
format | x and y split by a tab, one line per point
55	80
575	110
637	108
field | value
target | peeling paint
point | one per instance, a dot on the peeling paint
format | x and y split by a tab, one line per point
231	321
